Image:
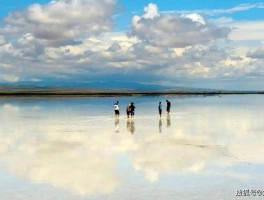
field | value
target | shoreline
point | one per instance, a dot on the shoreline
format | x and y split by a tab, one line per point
123	93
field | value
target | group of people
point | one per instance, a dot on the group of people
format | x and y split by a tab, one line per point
130	109
167	108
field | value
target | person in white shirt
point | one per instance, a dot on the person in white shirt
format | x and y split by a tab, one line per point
116	109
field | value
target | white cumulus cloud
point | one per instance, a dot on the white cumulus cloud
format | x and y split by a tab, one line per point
151	11
62	19
174	30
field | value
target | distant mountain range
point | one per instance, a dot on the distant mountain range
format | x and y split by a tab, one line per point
103	85
106	88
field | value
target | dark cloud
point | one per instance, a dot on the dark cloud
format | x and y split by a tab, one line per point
257	53
236	58
114	47
206	54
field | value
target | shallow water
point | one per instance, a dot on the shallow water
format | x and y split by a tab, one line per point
74	148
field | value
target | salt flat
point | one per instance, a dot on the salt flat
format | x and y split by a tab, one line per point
74	148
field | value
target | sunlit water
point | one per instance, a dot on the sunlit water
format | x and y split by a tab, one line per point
74	148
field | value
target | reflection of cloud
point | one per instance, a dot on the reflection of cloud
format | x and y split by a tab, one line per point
79	154
173	156
221	138
8	109
63	161
44	152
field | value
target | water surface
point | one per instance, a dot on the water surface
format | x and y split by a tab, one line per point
74	148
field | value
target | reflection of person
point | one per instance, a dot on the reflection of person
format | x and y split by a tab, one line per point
128	110
131	126
168	106
160	108
117	125
160	125
168	121
132	109
132	130
116	109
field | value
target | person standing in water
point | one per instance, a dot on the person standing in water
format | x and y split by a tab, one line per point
160	108
132	110
128	110
168	106
116	109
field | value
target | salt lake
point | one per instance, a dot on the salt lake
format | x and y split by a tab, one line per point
73	148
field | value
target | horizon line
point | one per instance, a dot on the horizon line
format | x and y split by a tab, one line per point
121	93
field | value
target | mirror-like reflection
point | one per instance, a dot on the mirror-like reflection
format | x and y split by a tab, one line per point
160	125
168	121
117	121
131	125
212	144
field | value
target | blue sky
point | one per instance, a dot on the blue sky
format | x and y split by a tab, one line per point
209	44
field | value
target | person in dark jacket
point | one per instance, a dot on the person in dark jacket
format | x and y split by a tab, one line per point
132	109
168	106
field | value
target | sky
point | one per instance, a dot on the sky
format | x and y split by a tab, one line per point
176	43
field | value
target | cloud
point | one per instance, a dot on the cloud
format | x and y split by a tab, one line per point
151	11
194	17
9	78
239	8
57	42
62	20
2	40
228	11
204	53
173	30
114	47
247	30
257	53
